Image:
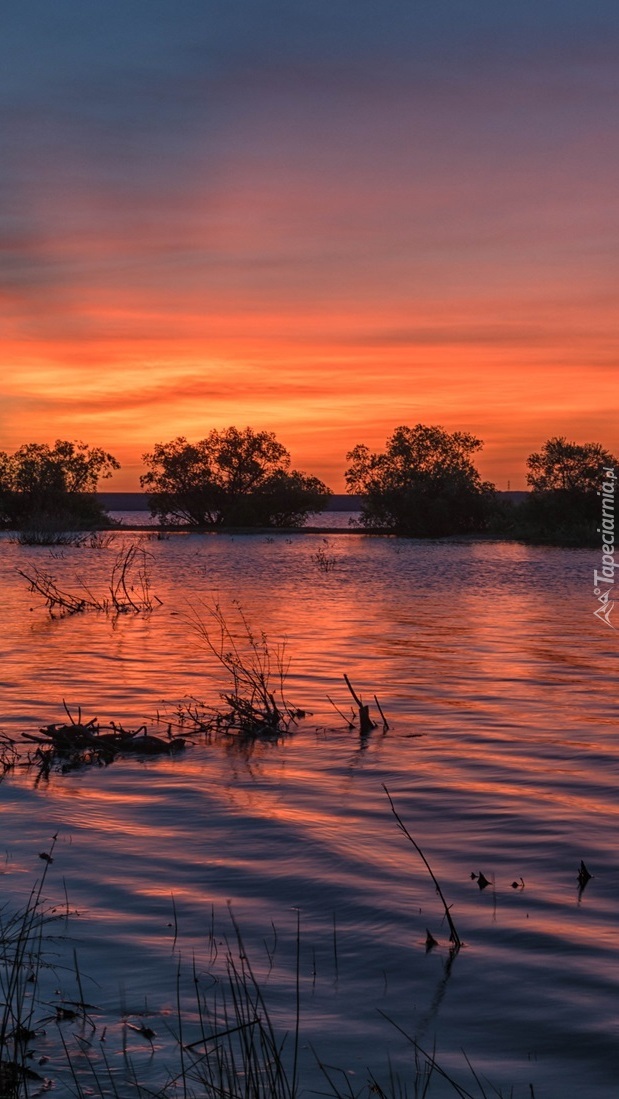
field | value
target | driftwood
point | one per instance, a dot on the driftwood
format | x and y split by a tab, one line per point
77	743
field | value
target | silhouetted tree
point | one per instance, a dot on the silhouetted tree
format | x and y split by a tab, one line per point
568	467
53	487
564	504
423	485
230	478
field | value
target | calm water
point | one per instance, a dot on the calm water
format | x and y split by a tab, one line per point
502	757
334	519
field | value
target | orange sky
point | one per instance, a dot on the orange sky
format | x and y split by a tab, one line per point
311	236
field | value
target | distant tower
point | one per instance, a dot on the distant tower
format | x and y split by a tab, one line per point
508	485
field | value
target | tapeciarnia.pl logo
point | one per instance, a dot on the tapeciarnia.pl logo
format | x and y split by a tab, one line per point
604	580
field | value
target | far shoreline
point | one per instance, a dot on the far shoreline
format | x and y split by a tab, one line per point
271	533
138	501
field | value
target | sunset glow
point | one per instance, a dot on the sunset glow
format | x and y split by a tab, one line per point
247	215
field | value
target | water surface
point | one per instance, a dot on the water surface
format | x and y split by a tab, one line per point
501	756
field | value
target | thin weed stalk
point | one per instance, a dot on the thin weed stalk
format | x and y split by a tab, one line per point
426	1066
454	937
130	582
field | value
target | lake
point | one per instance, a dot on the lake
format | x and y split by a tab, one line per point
498	685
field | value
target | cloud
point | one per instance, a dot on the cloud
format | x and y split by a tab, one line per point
321	218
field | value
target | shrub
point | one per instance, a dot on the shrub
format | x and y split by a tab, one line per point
564	504
52	489
230	478
423	485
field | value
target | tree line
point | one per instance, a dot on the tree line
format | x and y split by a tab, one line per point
423	484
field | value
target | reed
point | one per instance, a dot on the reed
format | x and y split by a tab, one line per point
326	562
21	938
240	1053
48	536
100	540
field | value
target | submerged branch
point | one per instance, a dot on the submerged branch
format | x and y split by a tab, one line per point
365	721
77	743
129	588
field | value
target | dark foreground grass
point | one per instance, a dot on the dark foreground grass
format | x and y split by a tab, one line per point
21	957
226	1045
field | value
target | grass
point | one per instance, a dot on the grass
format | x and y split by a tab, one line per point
235	1051
326	562
21	957
48	536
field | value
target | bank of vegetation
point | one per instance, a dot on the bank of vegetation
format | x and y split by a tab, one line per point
53	489
424	484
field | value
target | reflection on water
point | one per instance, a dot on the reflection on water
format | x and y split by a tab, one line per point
501	757
332	519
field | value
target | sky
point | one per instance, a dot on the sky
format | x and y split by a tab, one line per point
324	218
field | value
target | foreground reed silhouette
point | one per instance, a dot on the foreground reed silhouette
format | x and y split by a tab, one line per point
21	947
224	1046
